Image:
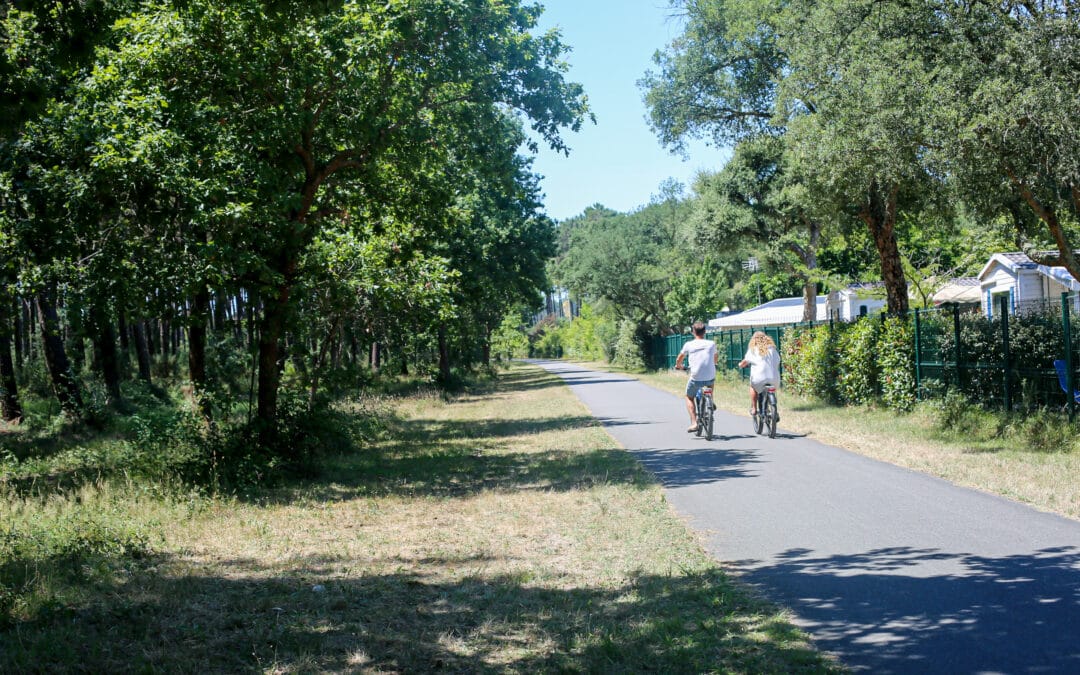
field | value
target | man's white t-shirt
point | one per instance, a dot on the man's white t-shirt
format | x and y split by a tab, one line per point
701	355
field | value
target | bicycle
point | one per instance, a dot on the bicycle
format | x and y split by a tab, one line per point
767	413
704	407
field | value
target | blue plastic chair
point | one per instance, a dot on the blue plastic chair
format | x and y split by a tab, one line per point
1063	380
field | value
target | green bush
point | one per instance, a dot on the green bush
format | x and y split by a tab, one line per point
896	361
818	369
794	356
857	364
627	347
509	340
1046	430
955	414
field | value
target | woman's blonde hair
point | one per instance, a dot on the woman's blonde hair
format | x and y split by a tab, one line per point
761	343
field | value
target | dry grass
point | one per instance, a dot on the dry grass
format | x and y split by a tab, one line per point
498	532
1003	464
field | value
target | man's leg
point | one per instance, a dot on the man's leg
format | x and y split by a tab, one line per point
693	413
753	401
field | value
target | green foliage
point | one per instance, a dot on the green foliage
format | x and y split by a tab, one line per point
1046	430
629	260
810	360
547	341
590	336
896	360
857	363
39	559
955	414
509	340
793	356
628	352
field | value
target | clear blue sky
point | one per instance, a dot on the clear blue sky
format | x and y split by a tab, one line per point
617	162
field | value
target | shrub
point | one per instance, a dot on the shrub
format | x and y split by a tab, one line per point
509	341
857	366
793	355
955	414
818	367
627	348
896	361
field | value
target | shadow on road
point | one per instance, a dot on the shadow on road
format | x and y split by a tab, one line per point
680	468
907	609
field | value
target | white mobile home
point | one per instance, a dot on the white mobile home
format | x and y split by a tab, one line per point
1022	283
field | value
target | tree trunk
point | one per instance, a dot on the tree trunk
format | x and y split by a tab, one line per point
142	350
809	260
376	356
10	409
20	329
271	330
105	348
444	357
879	213
485	347
219	314
64	385
197	350
1066	256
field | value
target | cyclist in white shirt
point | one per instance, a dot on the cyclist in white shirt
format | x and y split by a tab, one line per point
703	357
764	362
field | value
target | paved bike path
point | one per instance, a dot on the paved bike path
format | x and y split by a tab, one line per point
890	569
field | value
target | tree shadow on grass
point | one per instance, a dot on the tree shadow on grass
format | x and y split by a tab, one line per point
249	619
423	430
462	472
906	609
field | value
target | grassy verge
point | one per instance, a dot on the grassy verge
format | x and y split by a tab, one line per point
501	531
1027	459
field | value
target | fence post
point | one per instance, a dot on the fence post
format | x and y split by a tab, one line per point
1070	377
918	357
956	344
1005	350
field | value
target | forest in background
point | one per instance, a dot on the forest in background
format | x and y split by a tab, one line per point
256	207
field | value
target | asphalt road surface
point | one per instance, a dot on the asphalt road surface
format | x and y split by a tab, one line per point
892	570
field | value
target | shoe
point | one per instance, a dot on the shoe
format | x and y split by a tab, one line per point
713	406
692	429
778	419
753	413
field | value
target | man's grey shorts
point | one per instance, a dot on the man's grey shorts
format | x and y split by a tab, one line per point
693	385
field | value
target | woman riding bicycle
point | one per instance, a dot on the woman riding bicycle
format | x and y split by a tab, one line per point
764	362
703	357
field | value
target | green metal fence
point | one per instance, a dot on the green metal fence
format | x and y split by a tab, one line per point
1006	360
732	345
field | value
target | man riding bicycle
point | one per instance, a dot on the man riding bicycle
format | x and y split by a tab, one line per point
703	357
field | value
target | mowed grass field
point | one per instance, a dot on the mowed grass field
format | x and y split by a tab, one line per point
499	531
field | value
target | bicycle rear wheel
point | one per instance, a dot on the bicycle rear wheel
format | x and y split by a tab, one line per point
700	413
771	414
707	419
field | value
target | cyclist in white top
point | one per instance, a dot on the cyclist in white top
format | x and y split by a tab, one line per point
764	362
703	356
